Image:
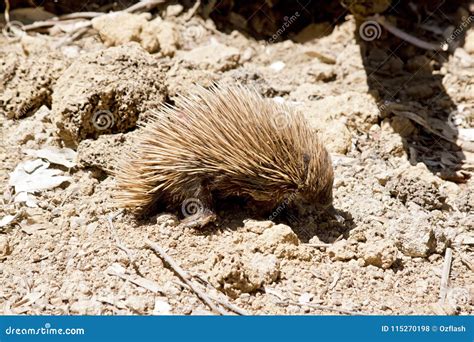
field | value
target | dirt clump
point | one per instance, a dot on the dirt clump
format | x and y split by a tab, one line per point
26	82
154	36
106	91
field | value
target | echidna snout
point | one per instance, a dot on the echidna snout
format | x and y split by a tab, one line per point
220	143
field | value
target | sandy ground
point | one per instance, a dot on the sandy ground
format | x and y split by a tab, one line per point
402	190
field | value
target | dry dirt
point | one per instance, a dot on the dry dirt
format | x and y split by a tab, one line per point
400	208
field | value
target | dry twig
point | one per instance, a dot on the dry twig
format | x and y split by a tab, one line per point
74	34
224	302
118	243
144	5
184	276
422	122
318	245
148	284
409	38
448	257
192	11
7	11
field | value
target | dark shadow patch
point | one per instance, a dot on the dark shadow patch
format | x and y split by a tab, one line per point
406	81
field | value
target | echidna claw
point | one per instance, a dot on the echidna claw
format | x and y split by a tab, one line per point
199	220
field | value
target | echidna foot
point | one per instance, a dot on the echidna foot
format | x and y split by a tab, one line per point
199	220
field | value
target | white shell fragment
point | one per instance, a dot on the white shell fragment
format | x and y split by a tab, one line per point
55	155
28	199
277	66
6	220
32	176
161	307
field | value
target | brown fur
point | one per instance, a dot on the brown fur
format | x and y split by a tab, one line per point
226	141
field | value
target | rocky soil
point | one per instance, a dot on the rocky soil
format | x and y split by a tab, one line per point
398	123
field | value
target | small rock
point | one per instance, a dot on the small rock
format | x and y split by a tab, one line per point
169	38
413	234
149	35
459	296
247	55
118	28
337	137
341	250
382	253
139	304
443	309
167	220
105	92
86	307
4	247
202	312
171	289
374	272
174	10
8	220
235	274
418	185
305	298
262	269
159	35
27	81
91	227
383	177
162	307
215	57
421	287
77	222
336	298
257	227
277	66
469	42
275	236
392	143
358	236
56	301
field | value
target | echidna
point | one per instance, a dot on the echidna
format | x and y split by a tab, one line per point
223	142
